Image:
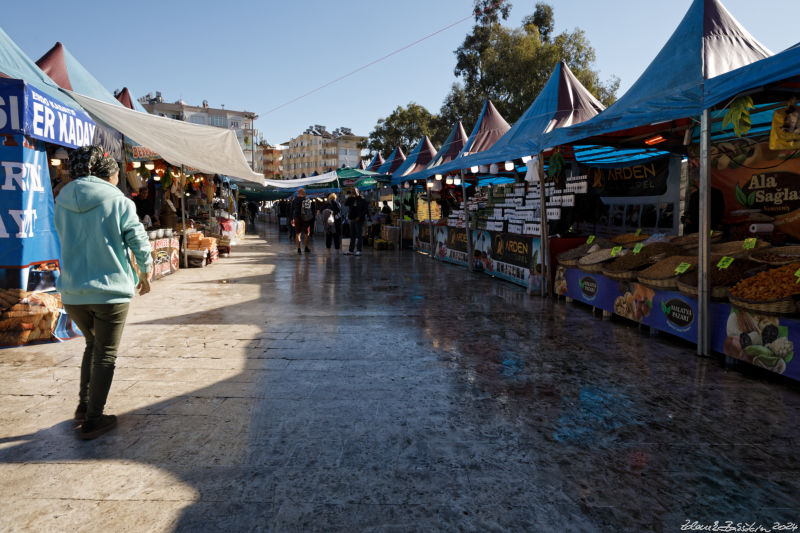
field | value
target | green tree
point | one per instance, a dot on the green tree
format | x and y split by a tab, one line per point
511	66
404	127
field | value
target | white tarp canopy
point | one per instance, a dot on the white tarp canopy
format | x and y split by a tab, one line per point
302	182
205	148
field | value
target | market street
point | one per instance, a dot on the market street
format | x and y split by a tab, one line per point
390	392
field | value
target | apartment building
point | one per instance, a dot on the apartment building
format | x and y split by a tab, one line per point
319	151
270	160
241	122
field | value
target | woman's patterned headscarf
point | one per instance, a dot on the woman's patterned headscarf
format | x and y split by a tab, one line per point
91	161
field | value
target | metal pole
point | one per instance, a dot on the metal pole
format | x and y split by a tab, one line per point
124	181
430	221
183	223
402	195
704	188
467	225
543	244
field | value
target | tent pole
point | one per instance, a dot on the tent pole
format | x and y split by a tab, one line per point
430	220
183	223
124	181
467	225
543	233
704	185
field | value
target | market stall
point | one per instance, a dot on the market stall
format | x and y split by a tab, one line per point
33	123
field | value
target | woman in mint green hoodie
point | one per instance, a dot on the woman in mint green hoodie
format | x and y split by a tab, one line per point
98	227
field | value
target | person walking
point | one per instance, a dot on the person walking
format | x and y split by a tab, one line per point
332	220
357	212
97	226
302	218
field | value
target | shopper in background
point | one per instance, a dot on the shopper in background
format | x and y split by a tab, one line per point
332	221
357	213
302	218
97	226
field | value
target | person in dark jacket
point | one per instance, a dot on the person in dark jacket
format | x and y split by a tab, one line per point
332	210
356	214
303	215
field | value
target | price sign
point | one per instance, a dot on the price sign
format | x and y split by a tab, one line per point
615	251
638	232
683	268
725	262
590	240
797	275
749	244
637	248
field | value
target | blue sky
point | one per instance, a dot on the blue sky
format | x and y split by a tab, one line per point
256	55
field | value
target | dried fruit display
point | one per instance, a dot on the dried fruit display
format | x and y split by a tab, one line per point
649	253
666	267
773	284
723	277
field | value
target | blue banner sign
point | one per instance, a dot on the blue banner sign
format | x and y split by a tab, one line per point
27	234
24	109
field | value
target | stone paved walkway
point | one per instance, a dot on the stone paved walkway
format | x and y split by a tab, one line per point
277	392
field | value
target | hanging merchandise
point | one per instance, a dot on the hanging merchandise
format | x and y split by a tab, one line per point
785	133
532	175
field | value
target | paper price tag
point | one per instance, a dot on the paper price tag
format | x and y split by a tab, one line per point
615	251
590	240
749	244
637	248
797	275
638	232
683	268
725	262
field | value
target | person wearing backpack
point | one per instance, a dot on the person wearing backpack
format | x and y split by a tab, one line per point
302	218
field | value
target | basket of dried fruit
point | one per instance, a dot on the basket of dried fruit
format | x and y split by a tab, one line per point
777	256
736	248
774	291
628	266
719	279
629	240
593	262
663	274
692	240
570	257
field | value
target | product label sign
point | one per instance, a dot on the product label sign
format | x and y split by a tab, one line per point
588	287
590	240
637	248
24	109
773	192
679	314
725	262
646	179
749	244
511	249
615	251
457	239
683	268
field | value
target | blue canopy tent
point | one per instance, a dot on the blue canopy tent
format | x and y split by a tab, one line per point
376	163
68	73
417	160
489	128
393	162
708	42
449	151
564	101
